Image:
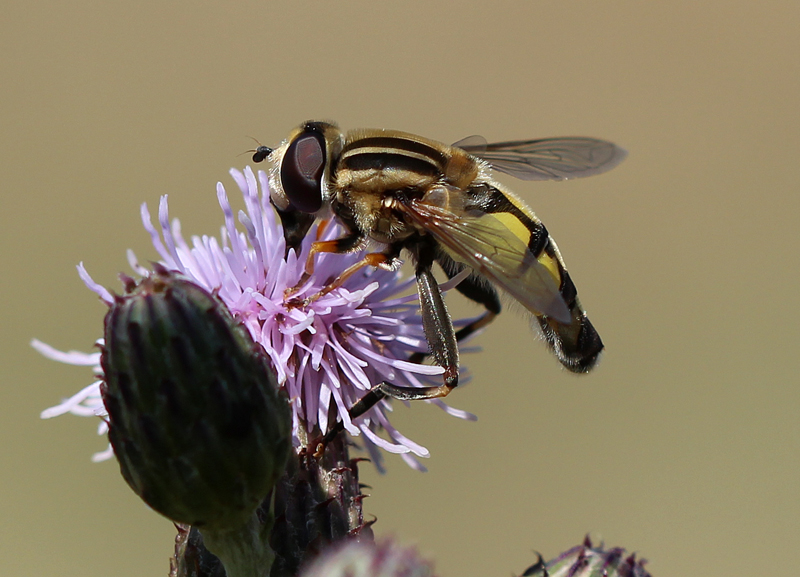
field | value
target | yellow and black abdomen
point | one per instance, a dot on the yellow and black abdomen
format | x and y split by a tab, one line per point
574	341
576	345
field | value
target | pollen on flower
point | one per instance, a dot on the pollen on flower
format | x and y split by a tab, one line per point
327	354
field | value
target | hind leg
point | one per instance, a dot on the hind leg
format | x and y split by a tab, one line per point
442	341
474	288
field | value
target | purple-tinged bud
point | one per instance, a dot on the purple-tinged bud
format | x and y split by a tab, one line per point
196	421
369	559
588	561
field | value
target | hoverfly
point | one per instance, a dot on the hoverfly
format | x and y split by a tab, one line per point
441	204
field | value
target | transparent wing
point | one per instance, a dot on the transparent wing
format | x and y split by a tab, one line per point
547	158
472	143
484	243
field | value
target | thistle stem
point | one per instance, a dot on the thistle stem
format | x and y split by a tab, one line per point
244	552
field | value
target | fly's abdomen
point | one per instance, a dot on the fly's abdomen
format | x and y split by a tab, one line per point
566	328
576	345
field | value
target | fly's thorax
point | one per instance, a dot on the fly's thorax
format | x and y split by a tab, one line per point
463	169
384	172
392	160
377	216
380	171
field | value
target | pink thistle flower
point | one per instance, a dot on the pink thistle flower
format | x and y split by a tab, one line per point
326	355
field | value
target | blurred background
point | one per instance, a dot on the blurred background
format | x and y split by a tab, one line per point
682	446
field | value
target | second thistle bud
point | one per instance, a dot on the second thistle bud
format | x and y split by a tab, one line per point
587	560
196	421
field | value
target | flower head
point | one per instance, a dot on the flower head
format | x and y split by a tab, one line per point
326	355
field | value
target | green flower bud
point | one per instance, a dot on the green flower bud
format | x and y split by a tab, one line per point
196	421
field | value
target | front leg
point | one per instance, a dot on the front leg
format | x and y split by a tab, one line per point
346	244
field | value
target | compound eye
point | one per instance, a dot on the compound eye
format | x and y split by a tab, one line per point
301	172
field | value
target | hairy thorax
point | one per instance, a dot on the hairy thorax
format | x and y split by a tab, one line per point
372	188
376	215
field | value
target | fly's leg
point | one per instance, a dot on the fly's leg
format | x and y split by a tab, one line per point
476	289
441	337
387	260
374	259
340	245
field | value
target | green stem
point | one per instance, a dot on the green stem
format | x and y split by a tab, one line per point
244	552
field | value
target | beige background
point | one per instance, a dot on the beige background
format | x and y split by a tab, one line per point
683	445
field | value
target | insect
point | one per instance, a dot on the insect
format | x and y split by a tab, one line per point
440	204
